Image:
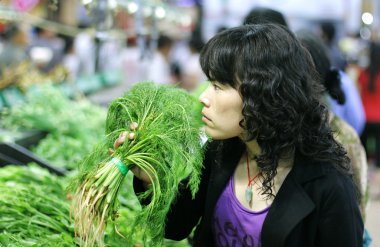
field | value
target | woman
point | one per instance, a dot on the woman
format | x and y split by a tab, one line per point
273	174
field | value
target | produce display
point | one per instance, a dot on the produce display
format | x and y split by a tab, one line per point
165	145
48	109
34	208
35	211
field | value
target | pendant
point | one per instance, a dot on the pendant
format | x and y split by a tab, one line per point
248	194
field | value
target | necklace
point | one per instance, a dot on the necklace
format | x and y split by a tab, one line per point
248	190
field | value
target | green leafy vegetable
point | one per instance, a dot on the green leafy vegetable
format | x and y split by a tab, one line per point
166	145
73	126
33	209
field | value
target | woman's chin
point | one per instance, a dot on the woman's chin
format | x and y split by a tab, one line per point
217	135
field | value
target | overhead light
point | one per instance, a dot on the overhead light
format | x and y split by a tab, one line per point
112	4
160	12
132	7
367	18
85	2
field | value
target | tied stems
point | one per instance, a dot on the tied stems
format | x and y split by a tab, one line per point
94	202
96	198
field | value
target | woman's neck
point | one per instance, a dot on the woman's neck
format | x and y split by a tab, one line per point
253	149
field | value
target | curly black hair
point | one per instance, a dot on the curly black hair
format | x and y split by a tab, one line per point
282	105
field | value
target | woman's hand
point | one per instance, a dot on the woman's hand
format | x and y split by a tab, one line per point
143	176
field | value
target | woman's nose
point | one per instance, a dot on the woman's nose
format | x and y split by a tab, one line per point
203	99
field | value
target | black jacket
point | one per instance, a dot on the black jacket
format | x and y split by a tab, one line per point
315	206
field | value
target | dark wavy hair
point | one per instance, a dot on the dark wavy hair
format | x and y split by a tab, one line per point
329	76
281	99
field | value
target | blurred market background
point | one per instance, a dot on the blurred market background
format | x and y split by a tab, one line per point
63	62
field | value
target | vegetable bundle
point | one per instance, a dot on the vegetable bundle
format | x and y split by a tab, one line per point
166	146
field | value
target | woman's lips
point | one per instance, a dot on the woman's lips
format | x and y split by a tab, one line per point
205	118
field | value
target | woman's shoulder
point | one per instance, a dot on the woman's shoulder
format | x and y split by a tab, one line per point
334	177
322	174
332	183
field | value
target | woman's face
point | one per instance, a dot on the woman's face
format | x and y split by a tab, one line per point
222	111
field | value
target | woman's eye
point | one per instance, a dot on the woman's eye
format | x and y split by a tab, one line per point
216	87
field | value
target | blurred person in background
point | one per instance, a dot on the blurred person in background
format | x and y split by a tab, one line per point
345	134
192	74
109	54
46	49
131	62
259	15
71	60
352	111
158	67
13	50
328	34
369	82
85	49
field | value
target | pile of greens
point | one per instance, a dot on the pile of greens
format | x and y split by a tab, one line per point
73	126
166	145
33	209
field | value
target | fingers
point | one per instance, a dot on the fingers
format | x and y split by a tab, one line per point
123	135
120	140
136	171
143	176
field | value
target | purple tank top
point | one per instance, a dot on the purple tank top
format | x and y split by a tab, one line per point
233	224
